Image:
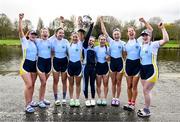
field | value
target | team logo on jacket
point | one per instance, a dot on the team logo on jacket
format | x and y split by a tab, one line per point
146	51
76	50
119	47
63	46
137	47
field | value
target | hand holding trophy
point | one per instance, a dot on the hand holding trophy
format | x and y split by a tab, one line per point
84	22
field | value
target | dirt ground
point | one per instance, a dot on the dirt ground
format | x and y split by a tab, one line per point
165	103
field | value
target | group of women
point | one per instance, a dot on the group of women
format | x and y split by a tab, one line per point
80	57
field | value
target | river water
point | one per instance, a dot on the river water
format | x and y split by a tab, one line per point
11	56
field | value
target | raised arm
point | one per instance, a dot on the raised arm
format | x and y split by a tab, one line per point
85	43
165	34
103	28
147	25
21	33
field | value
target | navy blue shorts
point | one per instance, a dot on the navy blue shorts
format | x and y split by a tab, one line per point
132	67
44	65
146	71
116	65
74	68
29	66
102	68
60	64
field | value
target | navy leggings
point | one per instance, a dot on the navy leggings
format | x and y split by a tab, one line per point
89	74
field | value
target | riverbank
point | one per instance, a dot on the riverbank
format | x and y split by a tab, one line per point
15	42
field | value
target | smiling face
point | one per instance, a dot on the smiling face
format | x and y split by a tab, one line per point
116	35
60	34
44	33
102	40
32	37
91	41
146	38
131	33
74	37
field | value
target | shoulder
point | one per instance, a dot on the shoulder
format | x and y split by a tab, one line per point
23	38
123	42
96	47
155	44
38	40
66	41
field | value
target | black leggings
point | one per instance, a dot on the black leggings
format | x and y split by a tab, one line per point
89	73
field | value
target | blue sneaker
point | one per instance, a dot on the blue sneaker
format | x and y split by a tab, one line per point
46	102
34	104
29	109
42	104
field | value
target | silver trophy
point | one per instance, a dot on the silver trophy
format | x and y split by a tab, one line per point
84	22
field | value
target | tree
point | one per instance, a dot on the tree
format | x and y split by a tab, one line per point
73	19
110	23
177	28
154	21
40	25
15	30
5	26
68	27
27	25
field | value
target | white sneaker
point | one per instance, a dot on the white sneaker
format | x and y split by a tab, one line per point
63	101
57	103
77	103
87	103
93	102
99	102
104	102
132	107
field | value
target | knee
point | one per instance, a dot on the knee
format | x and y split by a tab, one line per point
71	84
33	85
77	85
129	87
145	91
29	86
119	84
106	85
97	86
134	88
43	84
114	84
55	82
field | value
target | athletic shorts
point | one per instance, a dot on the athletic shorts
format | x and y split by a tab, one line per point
74	68
116	65
149	72
132	67
28	66
102	68
60	64
44	65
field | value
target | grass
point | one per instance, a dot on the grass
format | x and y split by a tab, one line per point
171	44
11	42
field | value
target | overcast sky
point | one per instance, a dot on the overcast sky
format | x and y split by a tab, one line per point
168	10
